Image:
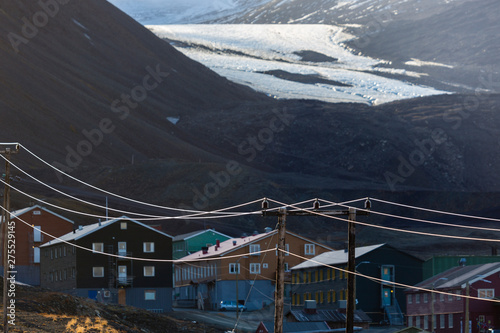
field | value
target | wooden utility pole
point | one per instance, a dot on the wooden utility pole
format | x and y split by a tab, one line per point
6	218
280	273
351	267
280	269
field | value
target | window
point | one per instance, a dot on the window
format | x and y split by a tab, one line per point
148	247
309	249
149	270
450	320
410	321
234	268
486	293
98	271
417	299
123	225
97	247
254	268
458	292
426	298
265	265
122	248
410	299
441	297
287	269
150	295
254	249
417	321
441	321
64	250
73	272
36	255
426	322
37	234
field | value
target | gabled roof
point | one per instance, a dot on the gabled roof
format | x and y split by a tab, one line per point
335	257
88	229
234	244
192	234
22	211
457	277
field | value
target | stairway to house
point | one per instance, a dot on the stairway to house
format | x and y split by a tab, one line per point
394	315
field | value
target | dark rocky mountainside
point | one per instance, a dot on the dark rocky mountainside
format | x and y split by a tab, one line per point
96	94
72	68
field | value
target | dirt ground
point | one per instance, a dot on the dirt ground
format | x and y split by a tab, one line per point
38	311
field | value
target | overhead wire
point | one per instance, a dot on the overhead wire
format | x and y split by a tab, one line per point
318	213
200	214
436	211
108	192
178	261
425	221
382	281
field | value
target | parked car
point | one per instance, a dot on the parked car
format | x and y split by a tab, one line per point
231	306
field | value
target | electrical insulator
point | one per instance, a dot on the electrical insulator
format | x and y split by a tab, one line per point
316	204
368	204
265	204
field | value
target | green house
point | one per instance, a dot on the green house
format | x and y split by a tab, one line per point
186	244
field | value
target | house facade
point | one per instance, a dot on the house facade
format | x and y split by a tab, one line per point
237	269
380	300
446	309
118	261
30	225
192	242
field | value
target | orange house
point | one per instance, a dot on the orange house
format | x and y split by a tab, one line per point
240	269
29	226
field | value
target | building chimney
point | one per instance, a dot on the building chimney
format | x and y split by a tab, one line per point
268	229
234	243
217	243
204	249
310	306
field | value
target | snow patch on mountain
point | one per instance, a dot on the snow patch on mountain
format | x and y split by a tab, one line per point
293	61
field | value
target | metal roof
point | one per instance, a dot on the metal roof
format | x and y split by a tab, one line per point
457	277
88	229
335	257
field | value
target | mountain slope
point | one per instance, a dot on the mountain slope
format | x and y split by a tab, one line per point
86	72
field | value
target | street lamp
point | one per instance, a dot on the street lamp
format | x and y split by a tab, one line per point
433	316
355	276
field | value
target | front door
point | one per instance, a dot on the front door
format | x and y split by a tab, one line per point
122	296
386	296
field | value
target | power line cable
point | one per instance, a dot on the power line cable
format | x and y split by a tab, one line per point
149	217
391	228
382	281
436	211
428	221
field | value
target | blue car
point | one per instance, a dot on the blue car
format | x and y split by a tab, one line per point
231	306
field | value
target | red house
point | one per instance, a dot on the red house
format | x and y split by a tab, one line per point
30	223
446	310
